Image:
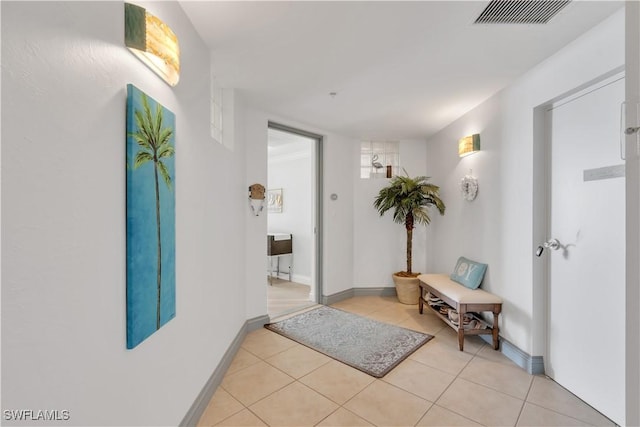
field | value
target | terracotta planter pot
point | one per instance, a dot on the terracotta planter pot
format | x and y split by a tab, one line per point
407	288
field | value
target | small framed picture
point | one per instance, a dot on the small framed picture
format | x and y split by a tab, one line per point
274	200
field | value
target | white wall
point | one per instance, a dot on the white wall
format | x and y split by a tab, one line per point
63	213
255	135
291	171
497	228
64	72
337	254
338	214
379	247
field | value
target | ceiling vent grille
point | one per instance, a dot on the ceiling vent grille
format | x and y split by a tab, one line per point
520	11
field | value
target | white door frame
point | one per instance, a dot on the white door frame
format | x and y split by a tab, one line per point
632	169
632	172
542	234
564	376
318	180
541	213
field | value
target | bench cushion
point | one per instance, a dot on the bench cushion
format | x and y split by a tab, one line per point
462	295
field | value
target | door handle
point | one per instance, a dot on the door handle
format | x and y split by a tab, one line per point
549	244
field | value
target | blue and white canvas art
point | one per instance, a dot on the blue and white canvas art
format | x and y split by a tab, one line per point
151	201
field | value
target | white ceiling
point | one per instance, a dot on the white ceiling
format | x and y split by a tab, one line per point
401	70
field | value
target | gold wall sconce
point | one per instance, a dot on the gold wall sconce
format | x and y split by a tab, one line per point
469	145
153	42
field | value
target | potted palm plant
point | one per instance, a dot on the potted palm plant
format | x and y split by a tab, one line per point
410	199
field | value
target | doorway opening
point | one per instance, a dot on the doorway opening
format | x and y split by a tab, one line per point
293	219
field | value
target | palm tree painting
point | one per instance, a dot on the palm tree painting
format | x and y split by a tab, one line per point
150	216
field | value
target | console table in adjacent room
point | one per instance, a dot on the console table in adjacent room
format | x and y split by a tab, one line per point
278	245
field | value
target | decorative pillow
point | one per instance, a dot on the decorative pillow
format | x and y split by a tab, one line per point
468	273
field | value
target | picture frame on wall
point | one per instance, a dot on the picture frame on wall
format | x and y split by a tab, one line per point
151	201
274	200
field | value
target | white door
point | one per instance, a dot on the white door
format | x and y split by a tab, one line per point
586	352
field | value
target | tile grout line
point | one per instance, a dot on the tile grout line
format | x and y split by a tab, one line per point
560	413
235	413
354	396
382	308
496	390
577	397
454	379
524	402
451	383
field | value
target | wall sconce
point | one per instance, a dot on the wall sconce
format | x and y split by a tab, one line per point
153	42
469	145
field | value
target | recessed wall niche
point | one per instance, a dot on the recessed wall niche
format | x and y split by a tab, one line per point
379	159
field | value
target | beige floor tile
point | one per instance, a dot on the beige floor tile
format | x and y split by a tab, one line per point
537	416
507	378
345	418
244	418
221	406
548	394
442	356
481	404
439	416
242	360
297	311
472	344
385	405
353	307
376	302
264	343
489	389
488	353
298	361
392	314
426	323
337	381
294	405
255	382
284	296
422	380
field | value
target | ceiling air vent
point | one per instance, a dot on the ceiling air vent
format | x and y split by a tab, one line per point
520	11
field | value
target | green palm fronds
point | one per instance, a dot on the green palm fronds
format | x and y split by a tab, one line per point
154	142
410	199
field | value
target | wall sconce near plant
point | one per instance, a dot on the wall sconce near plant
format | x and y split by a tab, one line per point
153	42
469	145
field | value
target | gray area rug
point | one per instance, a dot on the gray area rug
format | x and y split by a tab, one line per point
365	344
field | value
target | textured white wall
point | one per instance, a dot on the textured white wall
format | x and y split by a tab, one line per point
497	228
379	243
339	218
338	215
64	72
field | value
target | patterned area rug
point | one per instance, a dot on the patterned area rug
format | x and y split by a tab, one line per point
370	346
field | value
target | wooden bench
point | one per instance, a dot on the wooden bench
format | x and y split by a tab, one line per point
463	300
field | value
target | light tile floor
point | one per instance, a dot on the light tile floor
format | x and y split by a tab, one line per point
284	296
277	382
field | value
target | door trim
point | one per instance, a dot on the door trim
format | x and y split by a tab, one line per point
319	180
541	204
